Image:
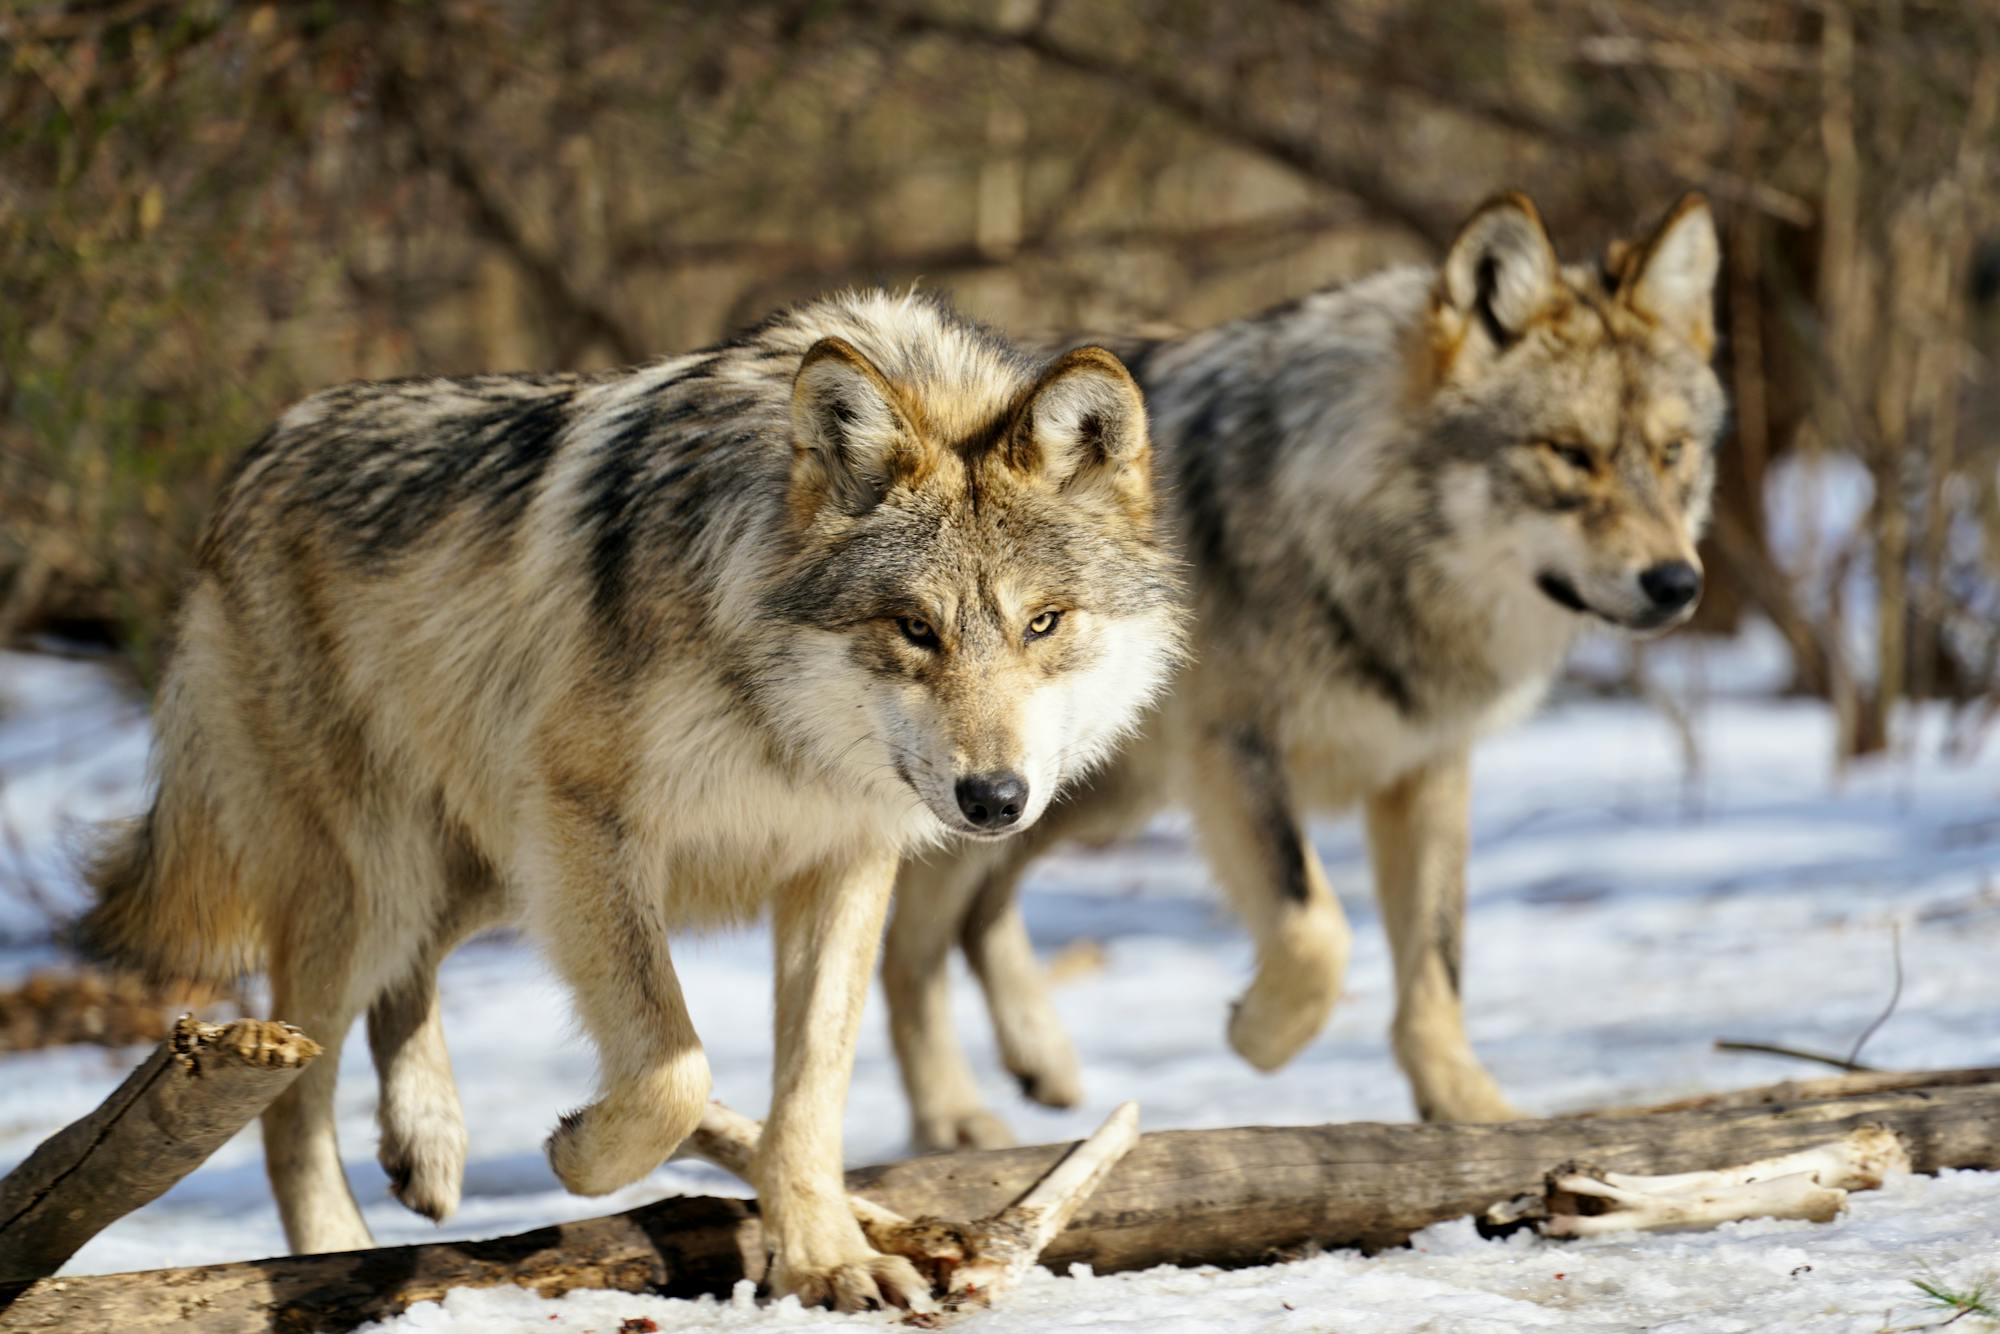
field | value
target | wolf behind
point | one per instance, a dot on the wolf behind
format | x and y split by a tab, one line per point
623	654
1400	500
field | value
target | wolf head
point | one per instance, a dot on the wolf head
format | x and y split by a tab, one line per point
980	580
1573	411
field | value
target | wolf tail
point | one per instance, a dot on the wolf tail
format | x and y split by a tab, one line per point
170	902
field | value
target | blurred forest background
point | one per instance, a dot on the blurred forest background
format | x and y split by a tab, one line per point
207	209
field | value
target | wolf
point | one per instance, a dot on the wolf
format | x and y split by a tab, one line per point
1400	500
622	655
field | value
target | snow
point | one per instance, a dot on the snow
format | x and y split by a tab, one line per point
72	750
1627	907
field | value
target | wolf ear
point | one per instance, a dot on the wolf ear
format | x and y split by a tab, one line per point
1083	427
1671	278
1501	271
851	440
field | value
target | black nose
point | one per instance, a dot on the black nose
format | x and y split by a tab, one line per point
992	801
1671	584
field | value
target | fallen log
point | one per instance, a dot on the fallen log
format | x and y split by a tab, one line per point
1222	1197
197	1089
1814	1090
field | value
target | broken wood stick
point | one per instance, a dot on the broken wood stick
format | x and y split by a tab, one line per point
1578	1200
1628	1205
1223	1197
197	1089
1001	1250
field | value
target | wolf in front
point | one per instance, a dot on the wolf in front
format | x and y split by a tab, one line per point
622	654
1400	501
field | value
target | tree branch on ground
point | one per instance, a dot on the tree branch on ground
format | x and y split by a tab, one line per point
1223	1197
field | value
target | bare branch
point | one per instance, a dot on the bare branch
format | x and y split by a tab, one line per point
1795	1053
1362	180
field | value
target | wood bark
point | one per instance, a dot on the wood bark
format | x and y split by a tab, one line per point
197	1089
1224	1197
1816	1090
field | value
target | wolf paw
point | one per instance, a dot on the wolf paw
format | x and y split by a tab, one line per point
426	1166
1060	1086
1047	1070
865	1282
1299	971
1279	1015
601	1148
1463	1093
975	1129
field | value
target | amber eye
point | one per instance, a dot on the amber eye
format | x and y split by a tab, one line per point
918	631
1044	625
1576	456
1670	457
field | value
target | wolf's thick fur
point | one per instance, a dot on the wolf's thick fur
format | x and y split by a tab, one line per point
1400	500
626	653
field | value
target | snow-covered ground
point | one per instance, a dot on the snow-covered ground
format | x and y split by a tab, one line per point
1626	910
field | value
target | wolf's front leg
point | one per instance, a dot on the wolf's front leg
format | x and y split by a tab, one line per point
607	936
825	930
1256	845
1418	831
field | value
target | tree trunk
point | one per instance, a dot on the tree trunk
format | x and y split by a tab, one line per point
1225	1197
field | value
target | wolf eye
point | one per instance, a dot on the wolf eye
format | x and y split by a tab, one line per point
918	631
1044	625
1670	456
1576	456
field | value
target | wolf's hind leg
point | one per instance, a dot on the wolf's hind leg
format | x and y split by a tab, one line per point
423	1127
1036	1049
316	985
607	937
932	897
1258	848
1106	805
1418	832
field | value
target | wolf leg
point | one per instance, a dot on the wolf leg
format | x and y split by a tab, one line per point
932	897
423	1128
1033	1044
1108	804
826	928
1418	831
1248	827
315	985
608	939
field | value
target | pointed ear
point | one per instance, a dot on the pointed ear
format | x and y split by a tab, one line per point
1671	278
1083	428
1501	271
851	440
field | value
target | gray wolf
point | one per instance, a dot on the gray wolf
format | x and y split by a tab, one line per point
624	654
1400	500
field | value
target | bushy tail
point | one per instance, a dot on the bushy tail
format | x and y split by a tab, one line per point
170	902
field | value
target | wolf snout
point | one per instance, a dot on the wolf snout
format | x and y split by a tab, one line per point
992	801
1670	586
